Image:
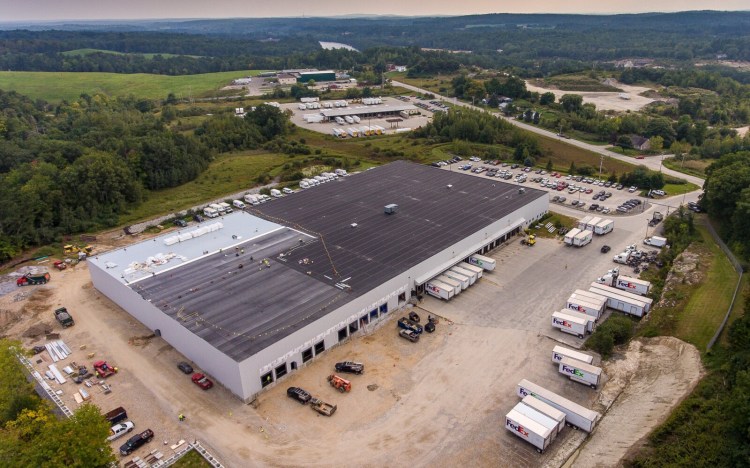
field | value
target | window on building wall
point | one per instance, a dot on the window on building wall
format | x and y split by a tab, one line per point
280	371
401	300
353	327
384	307
319	347
373	314
342	334
307	355
266	379
363	320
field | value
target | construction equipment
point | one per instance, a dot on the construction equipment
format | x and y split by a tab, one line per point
104	370
71	249
530	241
60	265
31	279
326	409
342	385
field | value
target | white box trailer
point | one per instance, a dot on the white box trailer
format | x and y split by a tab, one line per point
570	235
547	410
581	372
655	241
457	288
468	266
439	290
633	285
604	288
591	296
604	227
590	321
583	238
465	272
482	262
529	430
591	224
210	212
623	304
538	417
558	353
567	323
583	222
464	280
575	414
591	309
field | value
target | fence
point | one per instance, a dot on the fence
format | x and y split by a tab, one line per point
47	389
738	268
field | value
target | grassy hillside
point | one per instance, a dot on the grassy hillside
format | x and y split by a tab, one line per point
56	86
77	52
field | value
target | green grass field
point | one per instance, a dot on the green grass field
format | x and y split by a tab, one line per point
696	167
192	459
149	56
577	83
441	84
58	86
705	309
562	154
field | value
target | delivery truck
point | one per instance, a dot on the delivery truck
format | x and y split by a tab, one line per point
538	417
583	222
559	352
583	238
618	301
575	414
210	212
465	272
622	257
655	241
546	409
604	227
591	309
465	283
590	321
529	430
483	262
591	224
239	204
252	199
581	372
570	235
457	288
567	323
477	270
439	290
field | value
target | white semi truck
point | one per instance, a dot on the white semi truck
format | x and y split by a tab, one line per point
626	283
482	262
581	372
529	430
655	241
558	353
439	290
575	414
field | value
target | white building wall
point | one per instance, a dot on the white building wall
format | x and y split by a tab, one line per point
213	362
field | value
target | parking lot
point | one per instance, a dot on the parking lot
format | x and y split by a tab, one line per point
412	122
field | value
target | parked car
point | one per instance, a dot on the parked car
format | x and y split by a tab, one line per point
605	249
185	367
593	207
581	204
180	223
619	187
136	441
296	393
350	367
119	430
632	189
202	381
198	218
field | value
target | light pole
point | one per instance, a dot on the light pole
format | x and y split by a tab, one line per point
601	162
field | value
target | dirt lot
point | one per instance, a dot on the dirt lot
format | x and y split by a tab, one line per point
605	100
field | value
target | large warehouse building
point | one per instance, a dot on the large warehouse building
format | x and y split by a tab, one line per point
254	295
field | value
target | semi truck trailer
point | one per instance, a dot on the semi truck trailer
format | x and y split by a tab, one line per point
581	372
439	290
538	417
575	414
457	288
477	270
482	262
528	430
626	283
584	306
546	409
465	272
558	353
617	300
464	280
567	323
590	321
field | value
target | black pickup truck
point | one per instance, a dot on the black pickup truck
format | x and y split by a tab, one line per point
136	441
63	316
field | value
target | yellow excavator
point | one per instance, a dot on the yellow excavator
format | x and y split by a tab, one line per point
73	249
530	241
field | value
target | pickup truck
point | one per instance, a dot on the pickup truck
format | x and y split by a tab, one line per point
64	317
409	335
136	441
326	409
119	430
410	325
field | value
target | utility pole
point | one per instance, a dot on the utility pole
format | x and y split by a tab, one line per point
601	162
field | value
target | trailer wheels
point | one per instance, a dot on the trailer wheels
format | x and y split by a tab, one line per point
580	336
593	386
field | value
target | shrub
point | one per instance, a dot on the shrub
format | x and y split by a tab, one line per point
616	330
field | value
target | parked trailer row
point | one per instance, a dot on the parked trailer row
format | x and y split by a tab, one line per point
617	300
471	274
604	289
579	371
468	266
559	352
546	409
482	262
575	414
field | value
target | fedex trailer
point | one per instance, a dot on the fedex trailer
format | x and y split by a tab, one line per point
558	353
538	417
635	299
575	414
581	315
567	323
633	285
457	277
591	297
529	430
468	266
482	262
547	410
591	309
450	282
581	372
472	276
604	227
570	235
439	290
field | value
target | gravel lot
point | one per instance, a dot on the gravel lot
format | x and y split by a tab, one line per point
605	100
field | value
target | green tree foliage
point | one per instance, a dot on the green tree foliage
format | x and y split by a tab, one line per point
547	98
727	198
616	330
571	102
643	177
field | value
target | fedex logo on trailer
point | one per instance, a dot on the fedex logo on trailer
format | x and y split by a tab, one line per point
563	323
557	357
476	261
524	392
516	427
577	307
433	288
625	284
572	371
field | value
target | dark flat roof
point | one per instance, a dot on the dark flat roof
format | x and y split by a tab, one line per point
242	311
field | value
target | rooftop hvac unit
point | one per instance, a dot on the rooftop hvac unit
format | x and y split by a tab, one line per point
391	209
521	190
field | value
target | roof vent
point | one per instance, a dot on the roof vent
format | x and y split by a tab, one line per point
354	225
391	209
522	190
449	186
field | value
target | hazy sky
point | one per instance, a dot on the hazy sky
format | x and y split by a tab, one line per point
43	10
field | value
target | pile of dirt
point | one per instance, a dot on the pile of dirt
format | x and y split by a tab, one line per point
37	330
686	269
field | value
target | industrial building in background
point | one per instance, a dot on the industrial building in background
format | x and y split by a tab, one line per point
257	294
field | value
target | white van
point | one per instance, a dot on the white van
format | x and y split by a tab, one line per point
276	193
239	204
304	184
